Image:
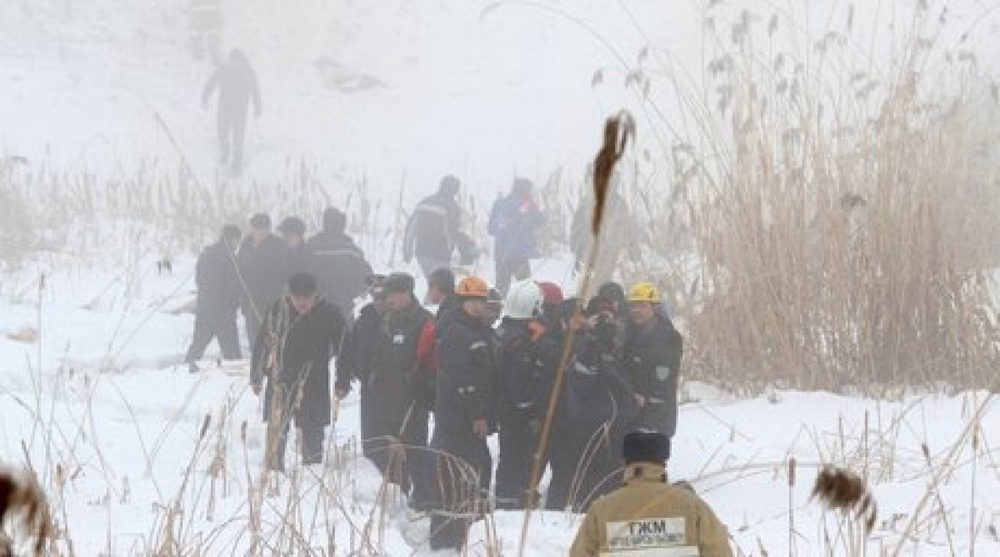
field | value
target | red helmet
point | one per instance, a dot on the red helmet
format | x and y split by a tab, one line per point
551	292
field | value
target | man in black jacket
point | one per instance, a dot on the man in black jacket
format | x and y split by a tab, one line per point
237	85
293	233
218	299
463	416
399	422
357	355
262	262
652	358
433	229
528	358
301	333
338	263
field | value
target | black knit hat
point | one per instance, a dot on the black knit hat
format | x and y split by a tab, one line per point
261	220
646	446
292	225
614	292
334	220
397	282
443	278
302	284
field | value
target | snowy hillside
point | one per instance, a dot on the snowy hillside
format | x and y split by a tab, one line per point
479	89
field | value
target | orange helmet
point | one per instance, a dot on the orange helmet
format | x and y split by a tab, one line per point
472	287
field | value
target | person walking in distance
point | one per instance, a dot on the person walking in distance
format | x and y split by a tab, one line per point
300	334
648	516
463	417
237	85
513	221
218	299
262	264
433	229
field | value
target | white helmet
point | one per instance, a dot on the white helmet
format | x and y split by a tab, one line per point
523	299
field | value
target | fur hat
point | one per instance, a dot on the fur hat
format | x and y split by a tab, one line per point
646	446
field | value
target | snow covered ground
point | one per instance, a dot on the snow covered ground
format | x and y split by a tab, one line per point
91	390
99	393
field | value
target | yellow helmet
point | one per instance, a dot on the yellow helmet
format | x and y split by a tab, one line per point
644	292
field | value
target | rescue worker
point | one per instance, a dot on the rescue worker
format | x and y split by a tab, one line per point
300	334
261	259
433	229
338	263
649	516
652	359
513	221
355	362
293	233
399	424
237	85
463	417
597	404
528	360
205	20
552	299
218	299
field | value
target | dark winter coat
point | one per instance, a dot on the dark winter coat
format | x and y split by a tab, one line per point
294	351
238	87
597	391
450	308
394	363
355	360
513	220
340	268
528	360
217	281
432	230
465	387
299	260
652	359
264	272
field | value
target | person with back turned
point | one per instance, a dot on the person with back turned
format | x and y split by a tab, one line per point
236	82
218	299
647	515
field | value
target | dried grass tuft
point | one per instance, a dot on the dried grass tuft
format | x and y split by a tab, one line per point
22	499
843	490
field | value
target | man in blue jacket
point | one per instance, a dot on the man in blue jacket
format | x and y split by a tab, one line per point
513	221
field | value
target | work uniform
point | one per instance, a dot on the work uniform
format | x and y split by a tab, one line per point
647	517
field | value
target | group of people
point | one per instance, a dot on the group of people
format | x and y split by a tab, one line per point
483	361
434	234
245	275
